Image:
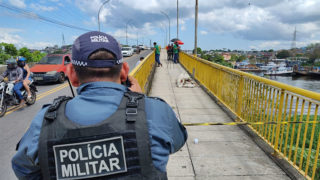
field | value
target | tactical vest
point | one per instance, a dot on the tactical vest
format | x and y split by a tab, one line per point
116	148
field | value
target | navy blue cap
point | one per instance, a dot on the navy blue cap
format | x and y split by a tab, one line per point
90	42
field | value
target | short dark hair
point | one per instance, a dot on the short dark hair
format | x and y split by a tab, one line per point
87	73
154	43
141	58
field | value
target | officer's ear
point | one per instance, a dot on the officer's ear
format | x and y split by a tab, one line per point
72	75
124	72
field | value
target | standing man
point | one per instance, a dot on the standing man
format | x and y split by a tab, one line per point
157	54
176	48
108	131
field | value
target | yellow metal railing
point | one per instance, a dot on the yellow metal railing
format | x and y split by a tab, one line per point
288	115
143	71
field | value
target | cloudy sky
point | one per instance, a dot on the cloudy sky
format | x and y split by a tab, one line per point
230	24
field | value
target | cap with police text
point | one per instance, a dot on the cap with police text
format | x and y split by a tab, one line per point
88	43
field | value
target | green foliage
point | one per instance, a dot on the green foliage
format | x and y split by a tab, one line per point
199	50
315	54
292	131
37	56
8	50
3	58
25	53
283	54
234	57
217	58
241	58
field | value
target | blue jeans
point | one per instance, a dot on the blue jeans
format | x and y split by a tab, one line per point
158	59
175	59
17	88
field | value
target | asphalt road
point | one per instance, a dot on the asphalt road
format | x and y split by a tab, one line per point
16	121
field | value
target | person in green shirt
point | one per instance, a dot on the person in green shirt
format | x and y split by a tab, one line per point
157	48
176	52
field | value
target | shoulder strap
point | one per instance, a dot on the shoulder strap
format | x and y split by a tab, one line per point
157	98
51	113
132	105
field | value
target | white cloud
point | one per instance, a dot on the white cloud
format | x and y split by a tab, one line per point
18	3
203	32
42	7
272	21
8	35
134	32
38	45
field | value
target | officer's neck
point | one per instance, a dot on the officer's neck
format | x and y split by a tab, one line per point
102	80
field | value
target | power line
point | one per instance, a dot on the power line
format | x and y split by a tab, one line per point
33	15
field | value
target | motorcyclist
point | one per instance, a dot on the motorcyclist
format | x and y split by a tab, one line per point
26	74
14	73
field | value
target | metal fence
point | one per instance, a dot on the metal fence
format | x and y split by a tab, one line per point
286	117
144	71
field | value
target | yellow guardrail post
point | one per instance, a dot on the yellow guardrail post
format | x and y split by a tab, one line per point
144	71
278	121
279	108
239	96
316	159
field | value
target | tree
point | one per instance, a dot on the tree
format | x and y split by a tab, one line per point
270	50
10	49
199	50
315	54
233	57
241	58
25	53
283	54
37	56
4	57
218	58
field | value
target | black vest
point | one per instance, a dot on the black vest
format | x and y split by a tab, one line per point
116	148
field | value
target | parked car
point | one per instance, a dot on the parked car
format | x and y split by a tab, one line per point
51	68
127	51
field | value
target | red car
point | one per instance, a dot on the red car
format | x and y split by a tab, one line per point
51	68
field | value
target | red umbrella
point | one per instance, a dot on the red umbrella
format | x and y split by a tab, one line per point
180	42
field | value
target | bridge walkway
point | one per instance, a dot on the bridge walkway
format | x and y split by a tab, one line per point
222	152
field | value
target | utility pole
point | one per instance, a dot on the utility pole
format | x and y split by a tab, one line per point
178	19
196	29
63	41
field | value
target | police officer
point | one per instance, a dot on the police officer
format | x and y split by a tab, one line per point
108	131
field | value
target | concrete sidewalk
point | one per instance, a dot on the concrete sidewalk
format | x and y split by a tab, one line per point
223	152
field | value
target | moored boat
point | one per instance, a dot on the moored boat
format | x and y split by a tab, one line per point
280	71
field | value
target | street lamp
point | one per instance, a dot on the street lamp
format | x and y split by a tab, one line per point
165	14
127	30
196	29
165	32
165	27
178	19
99	12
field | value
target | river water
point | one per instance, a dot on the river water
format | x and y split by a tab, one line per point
303	82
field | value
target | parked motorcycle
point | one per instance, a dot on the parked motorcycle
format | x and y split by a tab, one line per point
10	98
